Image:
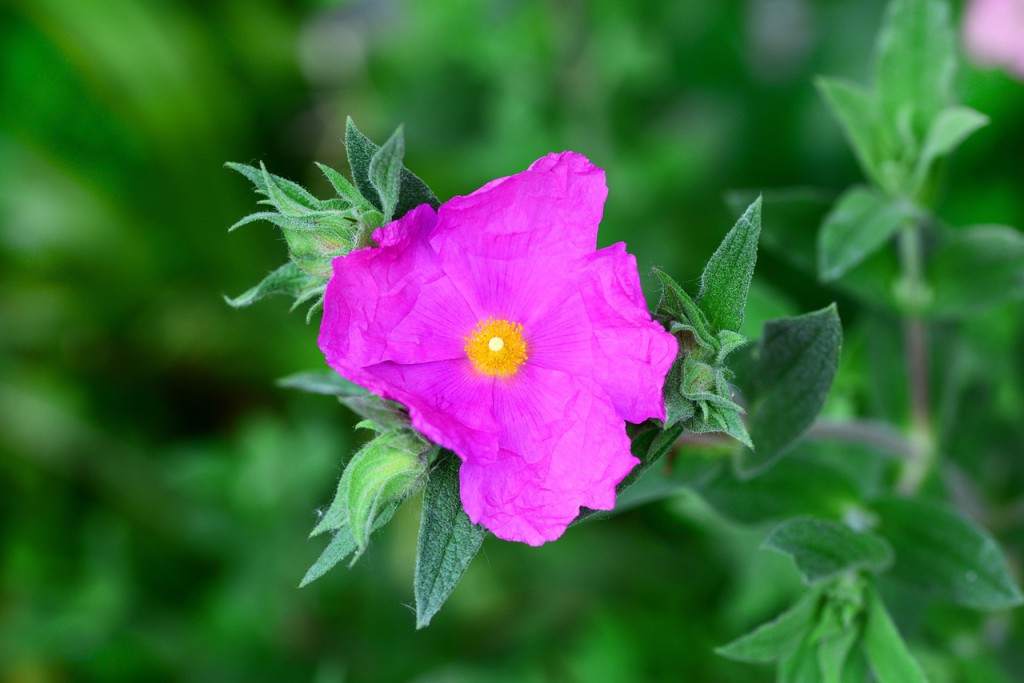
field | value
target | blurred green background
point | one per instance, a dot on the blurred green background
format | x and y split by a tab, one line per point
156	488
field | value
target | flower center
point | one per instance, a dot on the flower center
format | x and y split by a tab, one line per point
497	347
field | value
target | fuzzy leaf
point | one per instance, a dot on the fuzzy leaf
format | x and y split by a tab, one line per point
861	222
289	203
386	172
777	638
791	373
725	283
342	544
307	252
676	306
448	541
361	151
343	187
823	549
943	555
258	177
677	407
289	280
916	63
854	109
701	382
884	647
383	472
731	423
270	216
728	341
336	515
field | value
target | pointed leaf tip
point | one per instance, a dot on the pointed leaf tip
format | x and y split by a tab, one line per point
447	543
725	283
790	377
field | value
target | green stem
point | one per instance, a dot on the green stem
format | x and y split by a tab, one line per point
914	293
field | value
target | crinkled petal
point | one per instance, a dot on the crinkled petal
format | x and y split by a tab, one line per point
531	408
393	303
507	244
632	353
603	330
586	454
448	401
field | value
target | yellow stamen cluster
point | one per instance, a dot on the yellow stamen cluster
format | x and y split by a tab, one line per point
497	347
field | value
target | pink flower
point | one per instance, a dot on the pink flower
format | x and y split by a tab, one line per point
994	33
512	341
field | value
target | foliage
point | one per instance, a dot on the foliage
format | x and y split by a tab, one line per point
157	486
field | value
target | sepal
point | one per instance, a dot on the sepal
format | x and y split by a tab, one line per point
381	475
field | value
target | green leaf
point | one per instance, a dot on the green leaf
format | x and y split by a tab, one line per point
342	544
677	309
284	197
861	222
361	151
383	472
884	647
834	650
916	63
702	382
976	268
325	382
790	373
270	216
801	665
854	108
448	541
385	451
335	517
943	555
949	129
729	422
289	280
343	187
258	177
728	341
779	637
725	283
677	407
386	172
824	549
308	253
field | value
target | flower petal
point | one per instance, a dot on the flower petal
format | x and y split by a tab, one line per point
393	303
448	402
503	244
586	454
632	353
